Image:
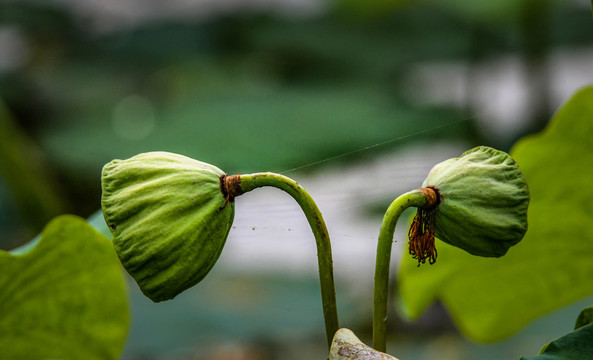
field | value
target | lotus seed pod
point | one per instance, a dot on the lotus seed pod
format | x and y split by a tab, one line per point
346	346
482	201
169	219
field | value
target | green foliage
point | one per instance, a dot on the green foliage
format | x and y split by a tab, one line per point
490	299
576	345
370	8
585	318
483	10
65	297
294	127
22	168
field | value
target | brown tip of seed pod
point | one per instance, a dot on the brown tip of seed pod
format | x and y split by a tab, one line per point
230	187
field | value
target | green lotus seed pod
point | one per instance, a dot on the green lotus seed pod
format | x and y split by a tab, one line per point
346	346
169	218
481	207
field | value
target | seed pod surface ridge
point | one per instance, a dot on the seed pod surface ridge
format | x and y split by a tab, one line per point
168	217
483	201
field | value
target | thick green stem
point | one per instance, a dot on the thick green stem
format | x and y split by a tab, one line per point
415	198
324	254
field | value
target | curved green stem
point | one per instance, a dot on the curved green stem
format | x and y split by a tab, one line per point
324	254
413	198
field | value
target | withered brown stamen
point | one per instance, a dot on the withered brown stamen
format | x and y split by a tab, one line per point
421	235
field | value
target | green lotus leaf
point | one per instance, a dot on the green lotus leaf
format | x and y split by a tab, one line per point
585	317
168	217
63	296
483	201
576	345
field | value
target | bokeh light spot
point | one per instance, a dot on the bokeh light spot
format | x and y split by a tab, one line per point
133	118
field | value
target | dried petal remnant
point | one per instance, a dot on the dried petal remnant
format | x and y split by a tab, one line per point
346	346
230	186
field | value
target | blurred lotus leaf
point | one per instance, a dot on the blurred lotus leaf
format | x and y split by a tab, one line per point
63	297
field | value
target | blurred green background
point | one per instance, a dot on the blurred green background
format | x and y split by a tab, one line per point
317	86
